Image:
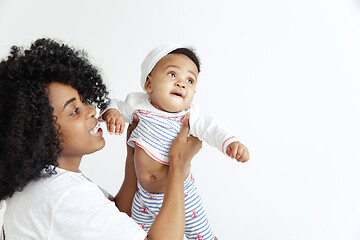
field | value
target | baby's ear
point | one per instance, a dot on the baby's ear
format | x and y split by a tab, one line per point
148	84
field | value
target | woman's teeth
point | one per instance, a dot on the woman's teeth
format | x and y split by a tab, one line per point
95	129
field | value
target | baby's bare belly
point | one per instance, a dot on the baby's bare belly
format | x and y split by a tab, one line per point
151	174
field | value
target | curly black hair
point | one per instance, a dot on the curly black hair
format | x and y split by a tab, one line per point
30	138
190	53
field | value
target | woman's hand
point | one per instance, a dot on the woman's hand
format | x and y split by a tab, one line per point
184	148
132	126
170	223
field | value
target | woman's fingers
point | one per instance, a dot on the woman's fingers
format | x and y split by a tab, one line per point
184	131
195	143
133	125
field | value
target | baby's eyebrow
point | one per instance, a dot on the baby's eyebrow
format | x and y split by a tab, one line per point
172	66
192	73
68	102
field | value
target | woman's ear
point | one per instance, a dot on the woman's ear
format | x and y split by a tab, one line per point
148	84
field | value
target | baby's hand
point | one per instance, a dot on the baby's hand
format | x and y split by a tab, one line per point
238	151
114	118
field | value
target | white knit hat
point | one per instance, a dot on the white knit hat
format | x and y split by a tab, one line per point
153	57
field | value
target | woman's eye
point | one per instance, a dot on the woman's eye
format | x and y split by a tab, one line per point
75	112
171	74
86	101
190	81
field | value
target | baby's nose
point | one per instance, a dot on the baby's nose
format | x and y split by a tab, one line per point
180	84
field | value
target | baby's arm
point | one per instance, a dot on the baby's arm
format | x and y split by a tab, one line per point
118	112
217	135
114	119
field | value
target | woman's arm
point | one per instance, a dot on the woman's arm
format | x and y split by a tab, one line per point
170	223
124	198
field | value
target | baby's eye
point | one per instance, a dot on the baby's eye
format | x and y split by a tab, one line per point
190	81
171	74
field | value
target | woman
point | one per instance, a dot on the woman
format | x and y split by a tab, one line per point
47	124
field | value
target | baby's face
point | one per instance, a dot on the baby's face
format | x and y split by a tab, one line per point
172	83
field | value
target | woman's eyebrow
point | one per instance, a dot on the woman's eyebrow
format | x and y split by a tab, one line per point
68	102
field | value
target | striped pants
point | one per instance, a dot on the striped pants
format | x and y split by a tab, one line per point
146	206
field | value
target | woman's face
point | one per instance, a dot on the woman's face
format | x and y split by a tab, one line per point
79	128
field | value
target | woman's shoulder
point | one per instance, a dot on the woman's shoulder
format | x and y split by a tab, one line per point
49	187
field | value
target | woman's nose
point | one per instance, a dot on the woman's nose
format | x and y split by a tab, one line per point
91	111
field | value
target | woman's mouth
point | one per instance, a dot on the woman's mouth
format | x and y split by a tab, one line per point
96	131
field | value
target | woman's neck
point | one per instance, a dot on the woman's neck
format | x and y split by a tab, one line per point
69	163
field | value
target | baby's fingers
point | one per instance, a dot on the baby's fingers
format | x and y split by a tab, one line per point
117	128
122	127
228	151
231	151
119	125
245	156
110	123
239	153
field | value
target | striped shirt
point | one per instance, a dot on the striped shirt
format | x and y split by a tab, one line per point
154	134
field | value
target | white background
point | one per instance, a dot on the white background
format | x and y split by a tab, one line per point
283	74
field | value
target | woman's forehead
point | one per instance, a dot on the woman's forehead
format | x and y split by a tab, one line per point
60	94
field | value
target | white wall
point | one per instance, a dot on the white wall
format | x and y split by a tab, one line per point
284	74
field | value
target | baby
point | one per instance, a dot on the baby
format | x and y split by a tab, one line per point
169	76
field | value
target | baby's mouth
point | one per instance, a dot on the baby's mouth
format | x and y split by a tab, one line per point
179	94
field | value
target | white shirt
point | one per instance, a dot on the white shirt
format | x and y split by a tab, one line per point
202	126
66	206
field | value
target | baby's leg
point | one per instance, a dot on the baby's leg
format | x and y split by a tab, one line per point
196	222
146	206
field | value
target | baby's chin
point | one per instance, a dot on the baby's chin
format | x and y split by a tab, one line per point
175	108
